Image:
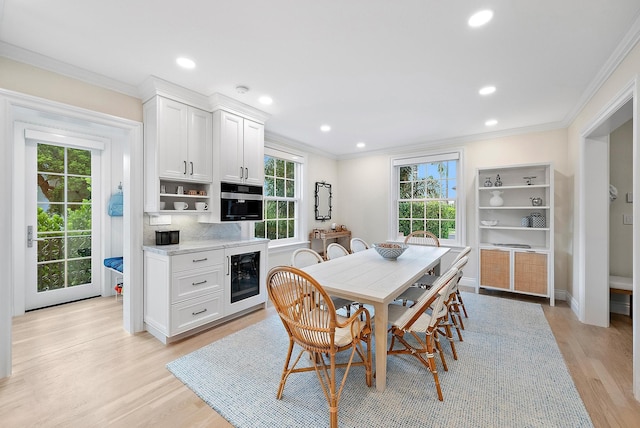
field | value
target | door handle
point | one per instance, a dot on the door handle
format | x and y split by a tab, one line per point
246	173
191	167
185	167
30	238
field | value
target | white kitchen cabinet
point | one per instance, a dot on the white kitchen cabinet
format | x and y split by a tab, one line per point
238	148
187	289
515	228
182	292
177	146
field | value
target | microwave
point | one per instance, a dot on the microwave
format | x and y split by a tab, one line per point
240	202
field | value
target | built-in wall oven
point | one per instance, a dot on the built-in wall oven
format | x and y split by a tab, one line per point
240	202
246	276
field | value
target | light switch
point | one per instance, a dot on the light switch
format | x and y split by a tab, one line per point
629	197
627	219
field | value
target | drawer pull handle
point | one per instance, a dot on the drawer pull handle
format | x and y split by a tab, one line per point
199	283
200	260
198	313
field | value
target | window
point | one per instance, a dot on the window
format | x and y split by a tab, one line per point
426	190
282	194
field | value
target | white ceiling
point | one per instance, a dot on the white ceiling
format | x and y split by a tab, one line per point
388	73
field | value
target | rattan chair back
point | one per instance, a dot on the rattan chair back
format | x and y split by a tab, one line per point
422	237
335	250
358	244
303	257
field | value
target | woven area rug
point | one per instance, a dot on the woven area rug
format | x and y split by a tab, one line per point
510	373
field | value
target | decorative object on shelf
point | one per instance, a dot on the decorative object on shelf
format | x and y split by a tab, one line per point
390	251
180	190
498	182
163	188
192	192
536	202
202	206
163	205
202	192
487	182
496	200
323	201
613	193
116	203
537	220
180	206
529	180
525	221
489	222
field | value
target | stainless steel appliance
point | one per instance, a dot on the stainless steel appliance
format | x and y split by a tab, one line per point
246	274
240	202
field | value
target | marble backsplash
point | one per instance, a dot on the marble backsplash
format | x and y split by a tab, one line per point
191	230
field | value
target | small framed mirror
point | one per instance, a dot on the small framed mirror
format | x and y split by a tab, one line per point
323	201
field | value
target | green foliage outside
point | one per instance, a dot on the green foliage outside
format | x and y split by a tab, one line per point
64	255
421	205
279	213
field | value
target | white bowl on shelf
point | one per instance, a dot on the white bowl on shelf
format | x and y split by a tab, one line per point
489	222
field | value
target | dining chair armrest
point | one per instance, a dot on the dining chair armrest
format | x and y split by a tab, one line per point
362	326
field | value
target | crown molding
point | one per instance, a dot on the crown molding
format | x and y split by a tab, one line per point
222	102
154	85
272	137
628	42
47	63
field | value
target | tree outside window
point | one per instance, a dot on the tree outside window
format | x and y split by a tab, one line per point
280	200
427	198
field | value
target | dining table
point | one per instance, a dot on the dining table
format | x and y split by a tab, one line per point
366	277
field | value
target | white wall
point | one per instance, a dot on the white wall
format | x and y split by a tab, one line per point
365	188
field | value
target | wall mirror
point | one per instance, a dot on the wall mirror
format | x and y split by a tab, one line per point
323	201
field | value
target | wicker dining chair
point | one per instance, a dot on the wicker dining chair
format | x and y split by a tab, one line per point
335	250
416	321
303	257
422	237
358	244
316	329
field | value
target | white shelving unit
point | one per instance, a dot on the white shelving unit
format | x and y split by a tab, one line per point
514	255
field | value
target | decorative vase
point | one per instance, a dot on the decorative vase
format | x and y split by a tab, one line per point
496	199
487	182
498	182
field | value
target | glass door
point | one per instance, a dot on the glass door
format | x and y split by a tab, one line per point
60	183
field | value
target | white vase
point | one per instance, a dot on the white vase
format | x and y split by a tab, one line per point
496	199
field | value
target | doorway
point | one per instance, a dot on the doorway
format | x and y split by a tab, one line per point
591	266
39	113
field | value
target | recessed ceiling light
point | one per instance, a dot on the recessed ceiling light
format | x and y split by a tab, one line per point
266	100
478	19
325	128
186	63
491	122
360	145
487	90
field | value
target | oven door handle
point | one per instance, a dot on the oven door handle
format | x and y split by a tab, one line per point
228	265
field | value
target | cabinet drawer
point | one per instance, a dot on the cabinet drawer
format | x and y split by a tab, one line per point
196	312
190	284
197	260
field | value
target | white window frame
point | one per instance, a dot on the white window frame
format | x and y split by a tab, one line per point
300	216
427	157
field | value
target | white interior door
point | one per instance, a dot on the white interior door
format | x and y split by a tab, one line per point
62	183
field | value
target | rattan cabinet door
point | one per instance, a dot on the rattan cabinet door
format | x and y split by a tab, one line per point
494	269
530	272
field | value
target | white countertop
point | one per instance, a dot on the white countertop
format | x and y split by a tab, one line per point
196	246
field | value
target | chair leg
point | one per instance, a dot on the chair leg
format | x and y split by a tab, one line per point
461	303
455	317
432	364
286	371
439	348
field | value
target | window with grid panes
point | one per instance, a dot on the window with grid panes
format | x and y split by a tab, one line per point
428	196
281	198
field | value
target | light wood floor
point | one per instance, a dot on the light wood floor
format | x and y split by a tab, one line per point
74	366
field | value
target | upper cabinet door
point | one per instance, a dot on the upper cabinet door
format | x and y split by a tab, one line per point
200	150
172	139
253	153
231	148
